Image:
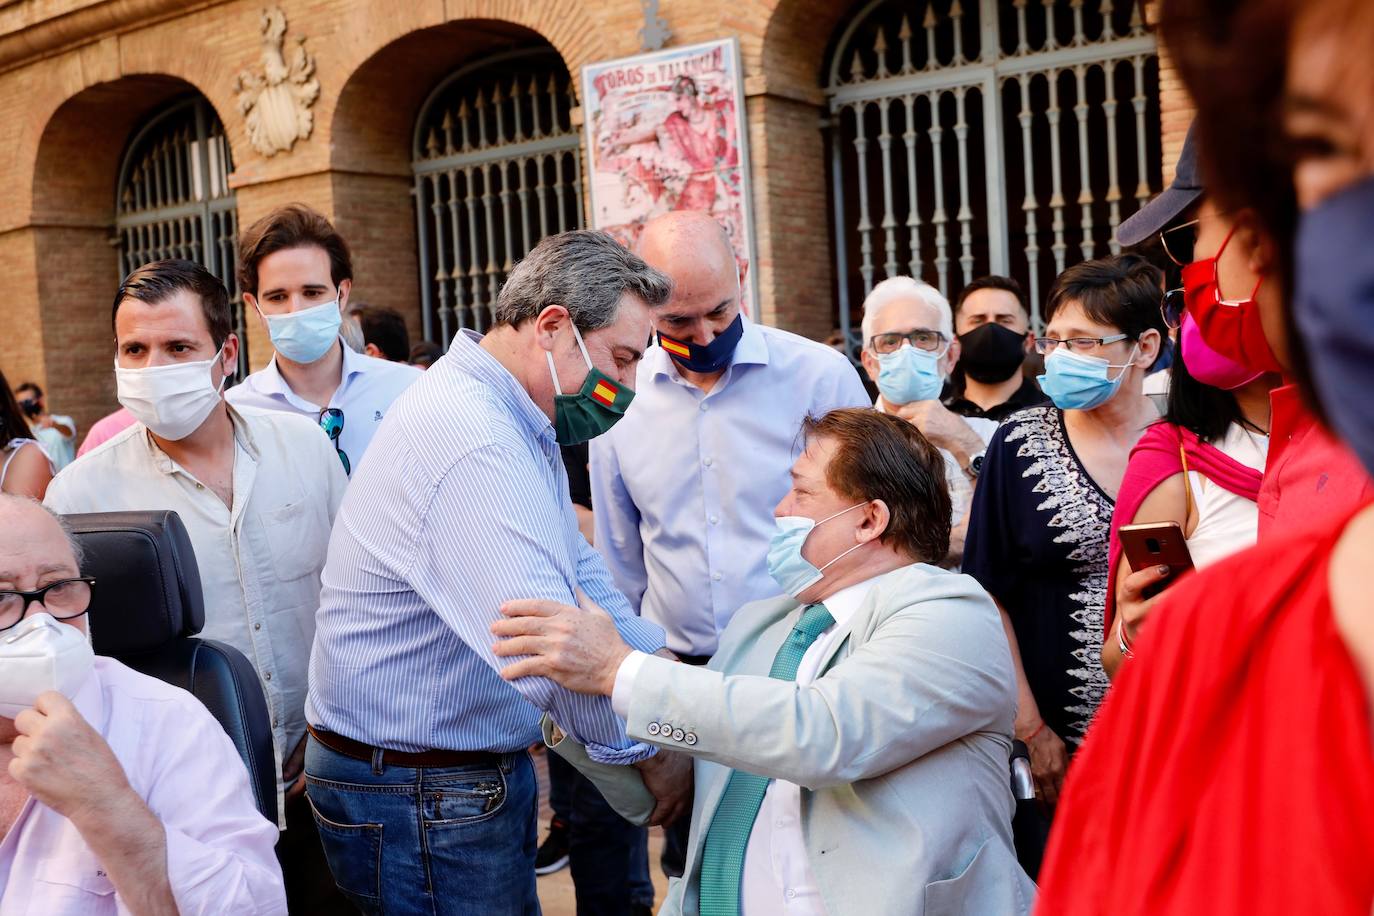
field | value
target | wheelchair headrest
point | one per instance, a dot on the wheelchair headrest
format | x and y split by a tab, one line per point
147	585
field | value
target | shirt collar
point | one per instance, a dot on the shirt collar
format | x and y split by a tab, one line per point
271	382
354	363
243	437
845	603
467	356
752	350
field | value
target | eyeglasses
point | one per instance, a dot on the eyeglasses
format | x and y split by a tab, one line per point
63	599
1172	308
1179	241
921	339
332	422
1046	345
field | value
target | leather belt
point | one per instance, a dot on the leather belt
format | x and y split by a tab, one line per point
366	752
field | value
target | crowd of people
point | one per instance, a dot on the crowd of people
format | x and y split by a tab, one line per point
803	614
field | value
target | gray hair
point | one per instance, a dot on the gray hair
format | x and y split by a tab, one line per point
586	272
14	501
897	289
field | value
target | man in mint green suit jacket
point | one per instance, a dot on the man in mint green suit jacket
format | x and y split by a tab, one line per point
884	751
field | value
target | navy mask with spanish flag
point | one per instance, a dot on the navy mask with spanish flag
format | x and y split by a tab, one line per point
713	357
597	407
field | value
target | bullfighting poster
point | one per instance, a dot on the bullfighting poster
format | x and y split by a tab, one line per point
665	131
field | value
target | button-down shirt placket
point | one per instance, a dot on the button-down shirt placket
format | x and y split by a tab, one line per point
710	443
231	520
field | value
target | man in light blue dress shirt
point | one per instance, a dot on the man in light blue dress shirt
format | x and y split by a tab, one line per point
417	767
685	487
296	273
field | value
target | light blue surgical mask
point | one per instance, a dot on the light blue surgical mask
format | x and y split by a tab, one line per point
792	571
910	375
305	336
1074	381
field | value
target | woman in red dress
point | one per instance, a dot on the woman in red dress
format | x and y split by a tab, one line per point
1231	768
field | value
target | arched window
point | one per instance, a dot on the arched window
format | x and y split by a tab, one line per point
174	201
498	166
949	117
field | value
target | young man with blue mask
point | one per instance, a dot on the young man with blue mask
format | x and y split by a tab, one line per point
296	273
861	718
909	350
685	487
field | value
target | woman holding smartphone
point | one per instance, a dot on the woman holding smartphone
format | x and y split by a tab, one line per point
1201	467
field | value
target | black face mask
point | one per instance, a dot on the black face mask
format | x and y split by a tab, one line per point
991	353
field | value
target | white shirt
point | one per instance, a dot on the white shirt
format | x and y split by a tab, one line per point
685	484
1226	522
365	393
777	876
178	759
259	559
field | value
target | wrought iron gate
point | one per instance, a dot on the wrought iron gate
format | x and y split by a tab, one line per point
944	117
498	166
173	199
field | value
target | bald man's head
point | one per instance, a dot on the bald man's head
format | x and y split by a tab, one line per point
694	250
25	521
35	548
692	233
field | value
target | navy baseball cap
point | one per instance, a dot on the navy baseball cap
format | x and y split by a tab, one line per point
1172	201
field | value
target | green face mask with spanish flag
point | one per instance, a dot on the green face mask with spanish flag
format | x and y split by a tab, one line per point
597	407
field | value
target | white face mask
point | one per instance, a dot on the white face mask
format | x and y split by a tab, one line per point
38	655
171	400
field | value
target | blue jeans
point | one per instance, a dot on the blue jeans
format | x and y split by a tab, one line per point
432	841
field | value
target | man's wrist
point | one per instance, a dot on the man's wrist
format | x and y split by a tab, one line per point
968	446
1025	729
622	652
115	815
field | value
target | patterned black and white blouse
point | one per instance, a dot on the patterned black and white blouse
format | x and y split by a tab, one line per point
1037	541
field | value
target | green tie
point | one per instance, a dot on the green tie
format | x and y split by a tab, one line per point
722	863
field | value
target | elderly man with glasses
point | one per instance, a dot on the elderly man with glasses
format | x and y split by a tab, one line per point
118	793
909	351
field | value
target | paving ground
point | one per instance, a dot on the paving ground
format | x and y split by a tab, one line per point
556	890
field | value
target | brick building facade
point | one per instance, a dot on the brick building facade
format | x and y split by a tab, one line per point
80	78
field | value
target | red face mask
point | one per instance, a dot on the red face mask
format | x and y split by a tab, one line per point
1230	327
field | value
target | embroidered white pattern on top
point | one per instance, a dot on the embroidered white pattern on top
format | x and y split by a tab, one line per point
1081	516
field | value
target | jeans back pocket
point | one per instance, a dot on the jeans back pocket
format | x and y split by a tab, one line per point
354	852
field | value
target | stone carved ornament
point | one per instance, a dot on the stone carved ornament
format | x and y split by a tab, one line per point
276	102
654	34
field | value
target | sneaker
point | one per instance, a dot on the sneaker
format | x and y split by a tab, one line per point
553	852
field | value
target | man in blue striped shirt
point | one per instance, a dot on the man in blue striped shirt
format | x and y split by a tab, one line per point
417	767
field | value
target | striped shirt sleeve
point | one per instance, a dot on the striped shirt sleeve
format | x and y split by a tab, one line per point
491	533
